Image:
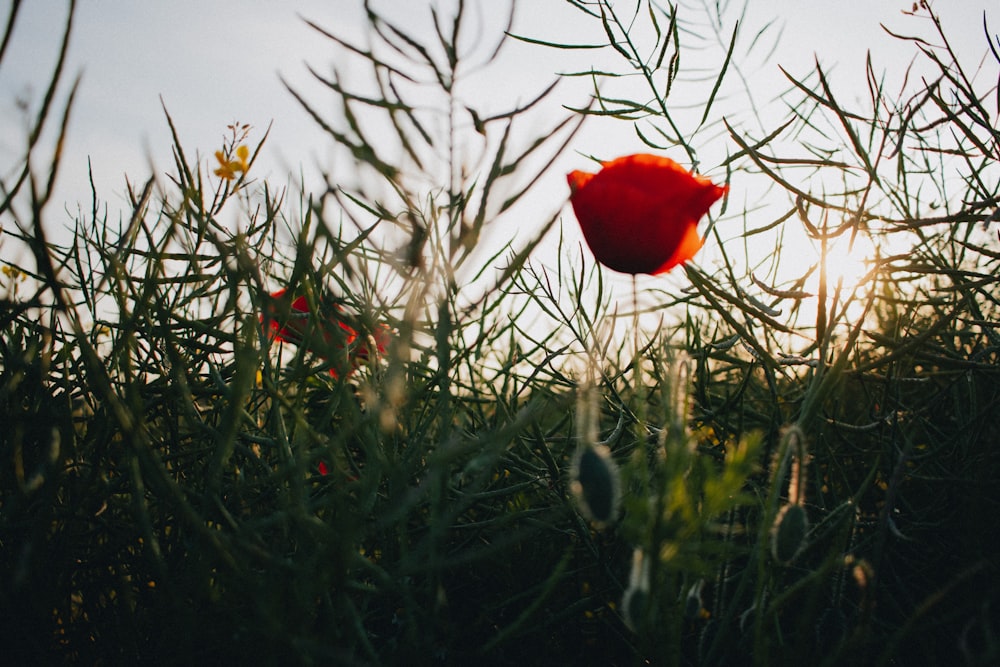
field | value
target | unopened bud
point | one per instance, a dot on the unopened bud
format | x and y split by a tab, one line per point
595	483
788	534
636	596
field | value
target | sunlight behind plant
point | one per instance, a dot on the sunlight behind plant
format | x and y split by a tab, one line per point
797	259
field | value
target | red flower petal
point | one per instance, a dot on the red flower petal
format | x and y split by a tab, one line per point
285	323
639	213
290	324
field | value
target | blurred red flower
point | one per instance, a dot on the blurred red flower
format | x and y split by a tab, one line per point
639	213
289	322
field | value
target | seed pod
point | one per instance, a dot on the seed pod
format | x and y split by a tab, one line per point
798	449
679	391
793	447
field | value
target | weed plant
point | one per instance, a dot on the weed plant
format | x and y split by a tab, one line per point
534	469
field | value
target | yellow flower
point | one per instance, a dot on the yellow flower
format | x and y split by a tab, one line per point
225	170
242	155
229	168
13	272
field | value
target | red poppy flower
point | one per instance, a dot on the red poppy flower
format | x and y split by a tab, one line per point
291	324
639	213
325	469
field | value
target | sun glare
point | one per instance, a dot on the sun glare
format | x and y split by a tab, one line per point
847	261
795	255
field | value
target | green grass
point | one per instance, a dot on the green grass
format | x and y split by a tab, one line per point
805	479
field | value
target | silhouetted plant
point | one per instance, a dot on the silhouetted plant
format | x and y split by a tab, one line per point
354	429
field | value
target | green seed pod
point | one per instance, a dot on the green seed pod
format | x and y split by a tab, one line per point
596	484
679	388
799	451
788	534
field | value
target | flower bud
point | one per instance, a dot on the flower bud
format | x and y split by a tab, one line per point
788	534
595	483
636	596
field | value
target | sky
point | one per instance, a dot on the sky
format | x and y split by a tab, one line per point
212	63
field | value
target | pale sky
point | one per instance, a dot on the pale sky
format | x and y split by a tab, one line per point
213	62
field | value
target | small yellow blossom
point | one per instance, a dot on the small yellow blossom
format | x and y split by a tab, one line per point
13	273
229	168
243	154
